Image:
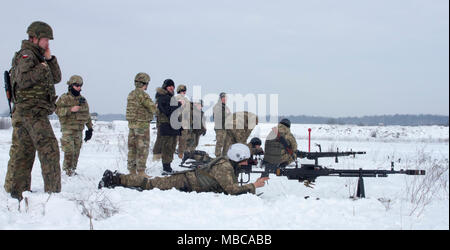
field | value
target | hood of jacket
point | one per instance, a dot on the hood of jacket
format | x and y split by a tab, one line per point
162	92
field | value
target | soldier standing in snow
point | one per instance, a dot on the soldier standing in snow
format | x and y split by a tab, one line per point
140	110
220	113
33	75
182	139
167	105
73	113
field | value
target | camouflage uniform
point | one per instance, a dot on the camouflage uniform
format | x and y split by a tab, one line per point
185	122
275	152
220	113
140	110
157	145
197	127
72	124
219	176
33	78
239	127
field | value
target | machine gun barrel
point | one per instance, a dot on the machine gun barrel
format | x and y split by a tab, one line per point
316	155
309	173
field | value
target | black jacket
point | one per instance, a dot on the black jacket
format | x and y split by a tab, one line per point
163	98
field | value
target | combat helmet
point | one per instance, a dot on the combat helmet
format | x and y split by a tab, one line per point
75	79
181	88
141	79
40	30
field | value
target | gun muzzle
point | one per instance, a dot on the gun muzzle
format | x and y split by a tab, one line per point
415	172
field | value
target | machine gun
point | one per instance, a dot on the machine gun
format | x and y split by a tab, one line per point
308	173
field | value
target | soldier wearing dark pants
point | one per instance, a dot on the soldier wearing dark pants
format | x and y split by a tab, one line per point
166	106
218	176
33	75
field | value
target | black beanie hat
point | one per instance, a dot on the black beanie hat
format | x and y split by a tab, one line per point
286	122
167	83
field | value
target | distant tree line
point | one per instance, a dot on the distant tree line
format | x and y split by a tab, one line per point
401	120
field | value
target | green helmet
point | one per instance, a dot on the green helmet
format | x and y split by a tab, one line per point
75	79
181	88
141	79
40	30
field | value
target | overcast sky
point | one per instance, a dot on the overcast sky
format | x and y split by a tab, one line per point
322	57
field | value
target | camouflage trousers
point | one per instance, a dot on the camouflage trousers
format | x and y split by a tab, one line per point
157	145
220	140
14	158
71	142
183	181
184	141
192	141
31	133
138	148
168	146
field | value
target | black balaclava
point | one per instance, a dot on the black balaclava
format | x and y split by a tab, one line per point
73	91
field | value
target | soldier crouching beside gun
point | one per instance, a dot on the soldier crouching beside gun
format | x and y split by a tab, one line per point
219	176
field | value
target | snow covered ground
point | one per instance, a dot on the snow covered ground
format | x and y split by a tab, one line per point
396	202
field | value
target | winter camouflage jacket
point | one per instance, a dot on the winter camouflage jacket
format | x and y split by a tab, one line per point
33	79
220	177
275	152
220	112
73	120
140	109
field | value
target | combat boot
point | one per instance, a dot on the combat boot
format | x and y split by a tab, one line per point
166	168
110	179
71	173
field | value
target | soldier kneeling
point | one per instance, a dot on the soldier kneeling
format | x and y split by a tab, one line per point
219	176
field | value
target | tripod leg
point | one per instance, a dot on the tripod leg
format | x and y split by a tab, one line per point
360	192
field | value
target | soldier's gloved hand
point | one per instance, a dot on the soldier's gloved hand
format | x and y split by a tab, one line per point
88	134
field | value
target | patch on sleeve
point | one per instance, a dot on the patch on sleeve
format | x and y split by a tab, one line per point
25	56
